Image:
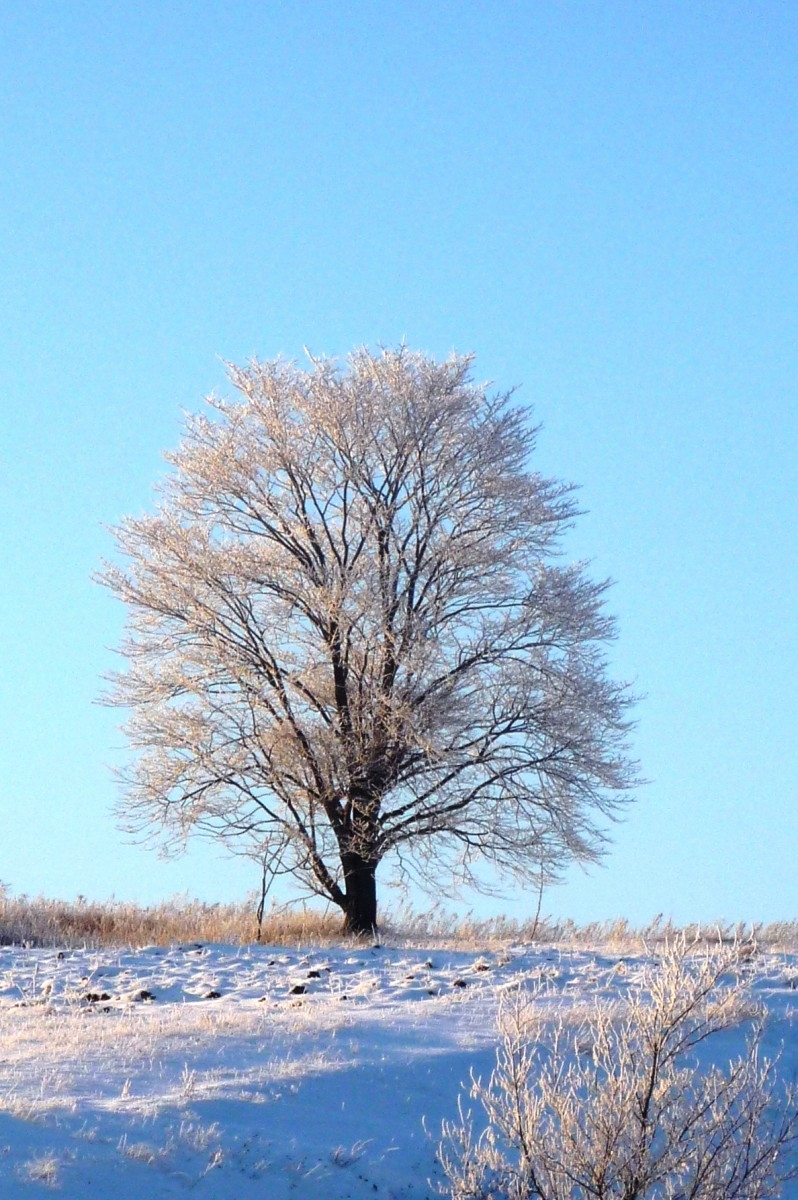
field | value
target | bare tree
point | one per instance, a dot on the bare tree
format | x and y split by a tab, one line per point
615	1106
349	637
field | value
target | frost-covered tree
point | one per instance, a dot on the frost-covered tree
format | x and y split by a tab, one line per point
349	635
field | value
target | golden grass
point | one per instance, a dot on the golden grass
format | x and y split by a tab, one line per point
39	921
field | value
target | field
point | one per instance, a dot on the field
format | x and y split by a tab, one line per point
322	1069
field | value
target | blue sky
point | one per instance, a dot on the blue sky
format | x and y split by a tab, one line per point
598	199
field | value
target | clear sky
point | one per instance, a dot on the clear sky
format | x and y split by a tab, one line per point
598	199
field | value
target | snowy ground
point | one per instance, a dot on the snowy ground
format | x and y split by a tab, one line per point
256	1072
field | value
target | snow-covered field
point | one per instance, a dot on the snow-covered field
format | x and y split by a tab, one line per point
248	1071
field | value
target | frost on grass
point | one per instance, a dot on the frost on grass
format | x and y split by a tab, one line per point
41	1169
615	1106
319	1096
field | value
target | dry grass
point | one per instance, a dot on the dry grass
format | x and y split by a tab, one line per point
618	934
38	921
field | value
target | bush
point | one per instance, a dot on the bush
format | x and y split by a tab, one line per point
615	1106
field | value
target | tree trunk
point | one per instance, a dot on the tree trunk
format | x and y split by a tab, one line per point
360	904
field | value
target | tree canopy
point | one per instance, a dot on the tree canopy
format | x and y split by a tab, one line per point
351	635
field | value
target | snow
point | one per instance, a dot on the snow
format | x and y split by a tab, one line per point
238	1072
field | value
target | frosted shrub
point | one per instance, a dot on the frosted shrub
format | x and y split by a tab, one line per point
616	1106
